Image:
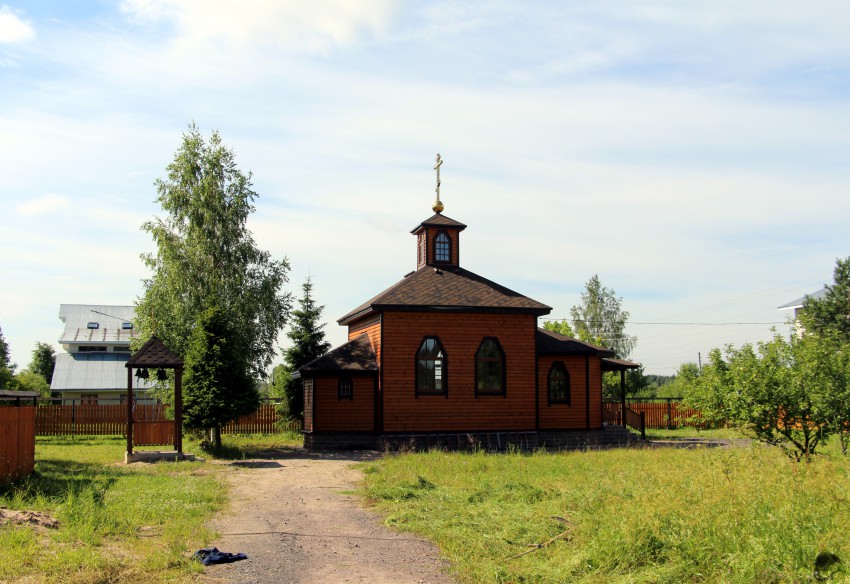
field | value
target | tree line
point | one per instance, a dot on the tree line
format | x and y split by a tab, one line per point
793	390
36	377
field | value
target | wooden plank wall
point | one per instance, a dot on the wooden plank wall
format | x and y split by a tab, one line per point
17	441
460	335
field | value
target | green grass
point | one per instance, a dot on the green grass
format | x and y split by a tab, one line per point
671	515
118	523
686	432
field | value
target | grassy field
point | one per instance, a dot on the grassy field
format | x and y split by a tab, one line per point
686	432
117	523
670	515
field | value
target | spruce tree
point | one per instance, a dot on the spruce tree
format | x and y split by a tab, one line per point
308	343
829	315
218	386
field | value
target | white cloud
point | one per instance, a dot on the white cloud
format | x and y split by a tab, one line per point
12	28
43	205
313	26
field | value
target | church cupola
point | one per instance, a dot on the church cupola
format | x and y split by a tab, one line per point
438	238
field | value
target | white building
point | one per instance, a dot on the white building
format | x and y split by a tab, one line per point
96	341
797	305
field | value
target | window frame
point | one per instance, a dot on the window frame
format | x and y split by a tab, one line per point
502	391
567	399
448	247
339	387
444	369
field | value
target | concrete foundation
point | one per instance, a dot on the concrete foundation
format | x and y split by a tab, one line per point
156	456
611	436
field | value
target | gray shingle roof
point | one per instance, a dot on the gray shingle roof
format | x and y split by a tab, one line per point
455	289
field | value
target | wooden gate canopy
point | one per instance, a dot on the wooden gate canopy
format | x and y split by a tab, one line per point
154	355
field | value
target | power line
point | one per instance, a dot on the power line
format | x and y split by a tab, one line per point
622	322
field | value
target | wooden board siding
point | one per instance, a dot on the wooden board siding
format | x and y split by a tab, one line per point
17	441
372	327
332	414
309	400
454	237
460	335
558	416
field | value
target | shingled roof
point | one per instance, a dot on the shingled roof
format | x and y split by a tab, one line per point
354	356
439	220
155	354
433	289
551	343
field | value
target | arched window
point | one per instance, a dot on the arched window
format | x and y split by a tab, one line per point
431	368
490	368
345	389
559	384
442	248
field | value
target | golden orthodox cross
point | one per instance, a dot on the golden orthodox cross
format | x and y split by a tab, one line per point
438	206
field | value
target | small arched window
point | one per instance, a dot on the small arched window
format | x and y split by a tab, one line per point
431	368
490	368
442	248
559	384
345	389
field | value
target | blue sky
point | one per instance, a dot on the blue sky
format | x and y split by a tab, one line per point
694	155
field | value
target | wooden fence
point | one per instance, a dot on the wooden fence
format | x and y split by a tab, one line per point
666	413
17	441
150	421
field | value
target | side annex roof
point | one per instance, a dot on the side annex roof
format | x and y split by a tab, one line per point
552	343
355	356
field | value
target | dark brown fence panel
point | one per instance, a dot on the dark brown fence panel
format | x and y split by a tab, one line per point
17	441
666	414
111	419
611	413
659	413
263	421
153	433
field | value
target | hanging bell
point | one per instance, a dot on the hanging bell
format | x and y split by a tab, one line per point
161	374
142	373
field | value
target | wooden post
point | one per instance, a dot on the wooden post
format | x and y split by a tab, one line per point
129	410
622	396
178	410
643	426
669	413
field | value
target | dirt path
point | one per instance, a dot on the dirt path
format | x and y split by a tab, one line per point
289	513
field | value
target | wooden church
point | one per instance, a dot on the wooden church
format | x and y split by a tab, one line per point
446	356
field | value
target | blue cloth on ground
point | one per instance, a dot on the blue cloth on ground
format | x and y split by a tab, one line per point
209	556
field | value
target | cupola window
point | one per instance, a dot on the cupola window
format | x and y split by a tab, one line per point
442	248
